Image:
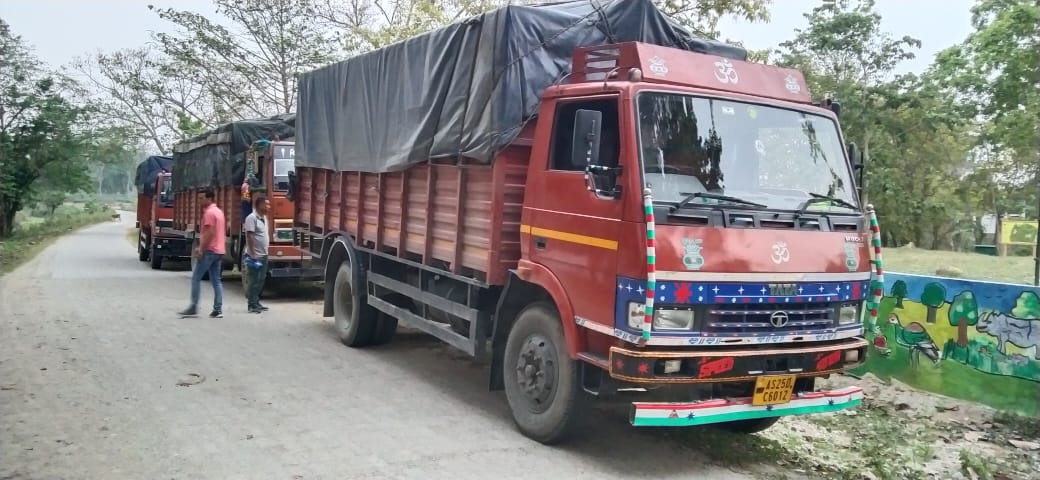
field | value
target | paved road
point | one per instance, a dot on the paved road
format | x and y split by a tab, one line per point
91	354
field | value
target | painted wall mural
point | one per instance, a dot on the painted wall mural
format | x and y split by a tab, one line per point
977	341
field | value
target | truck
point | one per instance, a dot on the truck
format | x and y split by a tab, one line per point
222	159
155	238
654	220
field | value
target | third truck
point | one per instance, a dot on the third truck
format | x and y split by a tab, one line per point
606	205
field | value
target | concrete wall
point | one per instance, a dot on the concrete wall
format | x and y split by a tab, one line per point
971	340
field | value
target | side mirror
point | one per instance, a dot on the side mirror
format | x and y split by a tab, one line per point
835	107
854	156
585	148
588	125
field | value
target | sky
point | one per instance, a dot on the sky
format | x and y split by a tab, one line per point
61	30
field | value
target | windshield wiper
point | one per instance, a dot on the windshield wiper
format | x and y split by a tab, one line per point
714	196
818	198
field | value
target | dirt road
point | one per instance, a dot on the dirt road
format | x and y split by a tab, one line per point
91	354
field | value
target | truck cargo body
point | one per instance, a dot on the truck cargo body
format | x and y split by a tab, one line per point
271	162
603	250
155	238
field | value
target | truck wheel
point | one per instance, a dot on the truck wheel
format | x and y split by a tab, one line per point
749	426
142	251
355	319
386	326
541	381
156	258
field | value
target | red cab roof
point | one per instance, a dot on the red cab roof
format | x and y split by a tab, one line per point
681	67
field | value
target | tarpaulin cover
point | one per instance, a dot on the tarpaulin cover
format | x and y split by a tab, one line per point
148	171
217	157
465	89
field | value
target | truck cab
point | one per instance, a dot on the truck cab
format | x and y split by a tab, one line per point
701	219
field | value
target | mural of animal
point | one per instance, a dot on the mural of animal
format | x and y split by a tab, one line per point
916	338
1020	332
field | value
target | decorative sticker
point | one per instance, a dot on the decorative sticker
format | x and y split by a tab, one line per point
725	73
781	254
657	66
792	85
692	258
852	255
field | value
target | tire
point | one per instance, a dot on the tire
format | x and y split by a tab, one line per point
547	410
386	325
142	252
749	426
156	259
355	320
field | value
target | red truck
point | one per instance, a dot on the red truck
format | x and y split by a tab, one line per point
155	237
660	222
222	159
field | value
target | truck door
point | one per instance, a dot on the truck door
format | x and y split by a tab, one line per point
573	232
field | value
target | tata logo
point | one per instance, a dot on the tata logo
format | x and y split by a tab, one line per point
782	289
779	319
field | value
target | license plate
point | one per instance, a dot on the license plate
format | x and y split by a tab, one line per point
773	390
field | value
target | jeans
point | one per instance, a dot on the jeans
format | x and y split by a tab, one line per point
256	282
212	263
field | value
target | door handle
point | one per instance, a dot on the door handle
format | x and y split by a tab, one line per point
539	243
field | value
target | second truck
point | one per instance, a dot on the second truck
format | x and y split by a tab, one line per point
606	205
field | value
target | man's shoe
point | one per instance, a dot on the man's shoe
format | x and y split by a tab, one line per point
216	314
262	307
188	312
255	310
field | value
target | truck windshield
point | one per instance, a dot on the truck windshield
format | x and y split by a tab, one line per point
284	162
771	156
166	196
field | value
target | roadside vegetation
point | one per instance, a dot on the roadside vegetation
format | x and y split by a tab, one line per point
36	228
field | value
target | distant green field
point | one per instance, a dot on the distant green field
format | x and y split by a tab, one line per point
975	266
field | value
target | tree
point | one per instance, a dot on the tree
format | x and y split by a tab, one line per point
41	137
248	69
899	291
964	311
933	297
1027	306
132	88
702	16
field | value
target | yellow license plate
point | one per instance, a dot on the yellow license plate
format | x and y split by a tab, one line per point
773	390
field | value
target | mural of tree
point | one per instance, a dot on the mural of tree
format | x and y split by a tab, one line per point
933	297
964	311
1027	306
899	291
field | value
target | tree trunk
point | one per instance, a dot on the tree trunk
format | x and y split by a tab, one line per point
962	333
931	314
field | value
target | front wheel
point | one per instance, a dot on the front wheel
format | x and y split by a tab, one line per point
156	259
142	246
541	381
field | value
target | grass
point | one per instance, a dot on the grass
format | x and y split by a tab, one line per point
33	234
975	266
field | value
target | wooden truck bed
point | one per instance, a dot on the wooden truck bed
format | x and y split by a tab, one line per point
464	219
187	211
144	211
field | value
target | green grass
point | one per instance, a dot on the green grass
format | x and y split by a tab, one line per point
974	265
33	234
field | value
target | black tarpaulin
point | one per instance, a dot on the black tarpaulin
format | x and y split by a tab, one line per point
148	171
217	157
465	89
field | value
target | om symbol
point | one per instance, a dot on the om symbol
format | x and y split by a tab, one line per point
781	254
724	72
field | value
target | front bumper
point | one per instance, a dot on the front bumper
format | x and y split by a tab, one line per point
714	365
172	246
647	414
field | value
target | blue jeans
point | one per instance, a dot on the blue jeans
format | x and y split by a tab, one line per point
212	263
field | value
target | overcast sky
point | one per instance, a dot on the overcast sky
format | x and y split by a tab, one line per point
63	29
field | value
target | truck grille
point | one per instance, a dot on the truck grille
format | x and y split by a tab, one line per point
758	318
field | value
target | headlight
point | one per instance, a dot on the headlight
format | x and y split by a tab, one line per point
848	314
664	319
673	319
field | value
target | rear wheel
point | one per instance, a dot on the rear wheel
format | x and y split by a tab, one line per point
156	262
356	321
541	381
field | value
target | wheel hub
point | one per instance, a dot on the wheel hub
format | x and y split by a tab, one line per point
536	371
